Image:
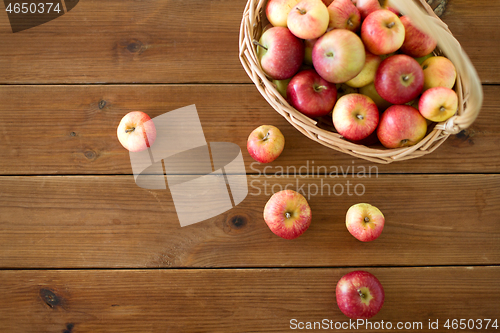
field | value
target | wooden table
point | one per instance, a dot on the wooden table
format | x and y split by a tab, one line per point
84	249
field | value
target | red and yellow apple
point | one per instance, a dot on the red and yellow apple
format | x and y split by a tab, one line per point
382	32
308	19
367	74
365	222
355	116
401	126
344	15
277	11
360	295
265	143
438	104
417	43
136	131
275	45
399	79
287	214
439	72
338	56
310	94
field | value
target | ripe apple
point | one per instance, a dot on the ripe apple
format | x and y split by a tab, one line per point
287	214
311	94
438	104
382	32
276	44
370	91
366	7
355	116
265	143
365	222
401	126
368	72
399	79
360	295
338	56
417	43
277	11
309	45
308	19
344	15
439	72
136	131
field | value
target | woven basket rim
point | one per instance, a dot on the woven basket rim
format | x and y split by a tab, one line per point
468	86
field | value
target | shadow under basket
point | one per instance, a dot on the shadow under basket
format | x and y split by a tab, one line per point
468	86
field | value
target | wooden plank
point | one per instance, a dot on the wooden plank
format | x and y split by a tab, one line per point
253	300
108	221
119	41
72	130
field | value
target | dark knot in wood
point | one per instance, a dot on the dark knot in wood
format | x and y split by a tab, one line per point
102	104
90	154
134	46
238	221
49	297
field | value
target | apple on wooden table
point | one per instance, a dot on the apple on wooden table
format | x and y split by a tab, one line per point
355	116
308	19
401	126
287	214
382	32
338	56
310	94
360	295
265	143
399	79
276	44
136	131
365	222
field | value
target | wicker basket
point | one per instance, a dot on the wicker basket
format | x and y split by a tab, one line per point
468	85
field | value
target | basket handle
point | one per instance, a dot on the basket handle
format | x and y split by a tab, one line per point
468	83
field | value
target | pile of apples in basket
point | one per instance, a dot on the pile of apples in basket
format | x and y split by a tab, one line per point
367	65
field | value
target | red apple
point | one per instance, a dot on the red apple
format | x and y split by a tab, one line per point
365	222
308	19
338	56
287	214
277	44
382	32
277	11
310	94
344	15
355	116
439	72
136	131
370	91
438	104
265	143
399	79
360	295
401	126
367	74
366	7
417	43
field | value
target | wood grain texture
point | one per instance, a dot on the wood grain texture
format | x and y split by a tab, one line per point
72	130
256	300
126	41
109	222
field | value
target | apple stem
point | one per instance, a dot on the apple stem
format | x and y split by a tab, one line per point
390	25
259	44
442	109
360	117
128	130
288	215
349	23
406	78
319	88
361	294
367	219
266	137
301	11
